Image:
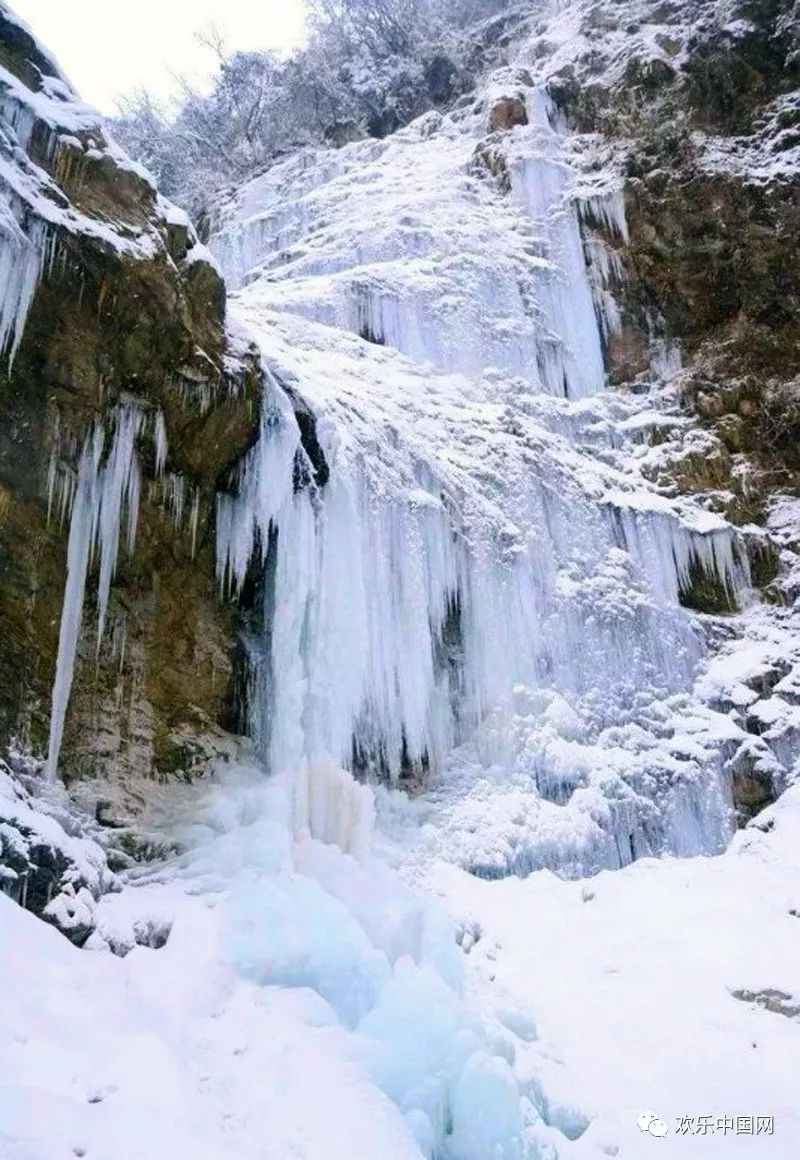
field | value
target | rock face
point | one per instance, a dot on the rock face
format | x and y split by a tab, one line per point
117	308
701	101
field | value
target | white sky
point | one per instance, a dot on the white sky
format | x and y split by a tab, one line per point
109	47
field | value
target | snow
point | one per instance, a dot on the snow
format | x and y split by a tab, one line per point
124	1066
304	1004
769	155
310	1004
638	1008
41	837
541	785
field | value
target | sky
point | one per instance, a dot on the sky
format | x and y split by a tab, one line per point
109	47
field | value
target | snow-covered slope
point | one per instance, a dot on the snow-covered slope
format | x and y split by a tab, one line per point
669	986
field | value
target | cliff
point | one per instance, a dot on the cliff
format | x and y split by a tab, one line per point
114	314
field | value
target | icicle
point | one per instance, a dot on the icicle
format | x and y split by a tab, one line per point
265	484
20	265
667	551
51	484
574	364
102	495
174	497
605	269
162	446
60	490
18	117
194	517
121	640
607	211
78	553
133	498
120	489
66	496
665	360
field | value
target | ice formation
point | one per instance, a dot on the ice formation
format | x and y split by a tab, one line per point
20	260
105	494
398	618
161	443
23	236
432	540
332	807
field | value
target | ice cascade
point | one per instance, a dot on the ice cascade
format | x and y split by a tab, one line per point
433	296
428	543
396	621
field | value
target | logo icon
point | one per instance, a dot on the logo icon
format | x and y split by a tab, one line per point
650	1122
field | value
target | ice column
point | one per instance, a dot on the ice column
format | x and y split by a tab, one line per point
81	533
331	806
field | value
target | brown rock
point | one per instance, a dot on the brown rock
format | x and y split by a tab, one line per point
506	112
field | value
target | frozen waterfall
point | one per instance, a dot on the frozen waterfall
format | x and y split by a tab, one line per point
397	620
458	545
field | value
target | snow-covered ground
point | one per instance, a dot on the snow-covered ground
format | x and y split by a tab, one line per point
313	1004
670	986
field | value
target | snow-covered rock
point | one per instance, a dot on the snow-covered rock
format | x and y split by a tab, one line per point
48	863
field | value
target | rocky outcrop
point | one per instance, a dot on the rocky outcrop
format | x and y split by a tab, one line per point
112	303
506	112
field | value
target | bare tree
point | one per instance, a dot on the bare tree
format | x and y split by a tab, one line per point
369	67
